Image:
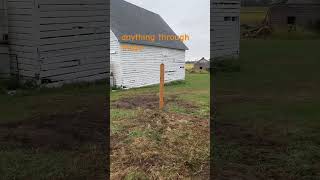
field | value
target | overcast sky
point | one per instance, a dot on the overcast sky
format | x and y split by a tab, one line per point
190	17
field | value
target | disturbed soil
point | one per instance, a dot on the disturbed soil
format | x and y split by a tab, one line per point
149	101
64	136
60	131
158	145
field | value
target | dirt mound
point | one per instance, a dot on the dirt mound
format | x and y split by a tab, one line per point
58	131
149	101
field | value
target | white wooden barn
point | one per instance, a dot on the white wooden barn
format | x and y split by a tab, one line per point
4	50
141	68
225	28
58	41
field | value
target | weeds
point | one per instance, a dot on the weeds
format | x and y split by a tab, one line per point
161	145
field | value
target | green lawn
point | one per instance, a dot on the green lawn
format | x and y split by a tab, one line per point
267	123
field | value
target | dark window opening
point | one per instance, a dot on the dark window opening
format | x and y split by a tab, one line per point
230	18
227	18
5	37
291	20
201	68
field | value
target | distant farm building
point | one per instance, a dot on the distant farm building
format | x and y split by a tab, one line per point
291	13
202	65
54	41
136	63
225	28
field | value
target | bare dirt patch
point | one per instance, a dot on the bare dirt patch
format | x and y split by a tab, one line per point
149	101
58	130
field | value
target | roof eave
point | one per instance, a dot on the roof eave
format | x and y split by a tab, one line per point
154	45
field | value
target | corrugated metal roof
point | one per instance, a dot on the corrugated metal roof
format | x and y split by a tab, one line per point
129	19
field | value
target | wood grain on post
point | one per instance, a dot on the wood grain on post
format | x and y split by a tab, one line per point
161	94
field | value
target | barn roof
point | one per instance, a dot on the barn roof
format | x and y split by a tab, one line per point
202	60
302	2
129	19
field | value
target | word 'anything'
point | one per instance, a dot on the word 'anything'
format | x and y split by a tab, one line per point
153	38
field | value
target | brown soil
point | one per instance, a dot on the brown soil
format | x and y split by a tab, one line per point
58	131
149	101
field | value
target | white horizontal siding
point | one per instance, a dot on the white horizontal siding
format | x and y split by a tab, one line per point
3	18
226	34
59	40
142	68
73	40
115	59
4	61
23	50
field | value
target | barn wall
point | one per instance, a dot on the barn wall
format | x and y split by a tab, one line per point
142	68
205	66
22	45
3	18
225	28
115	60
4	61
59	41
73	40
305	15
4	51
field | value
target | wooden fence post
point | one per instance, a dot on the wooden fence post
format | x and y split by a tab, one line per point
161	94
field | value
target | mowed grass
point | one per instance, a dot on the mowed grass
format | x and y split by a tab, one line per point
38	153
267	121
171	144
252	15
